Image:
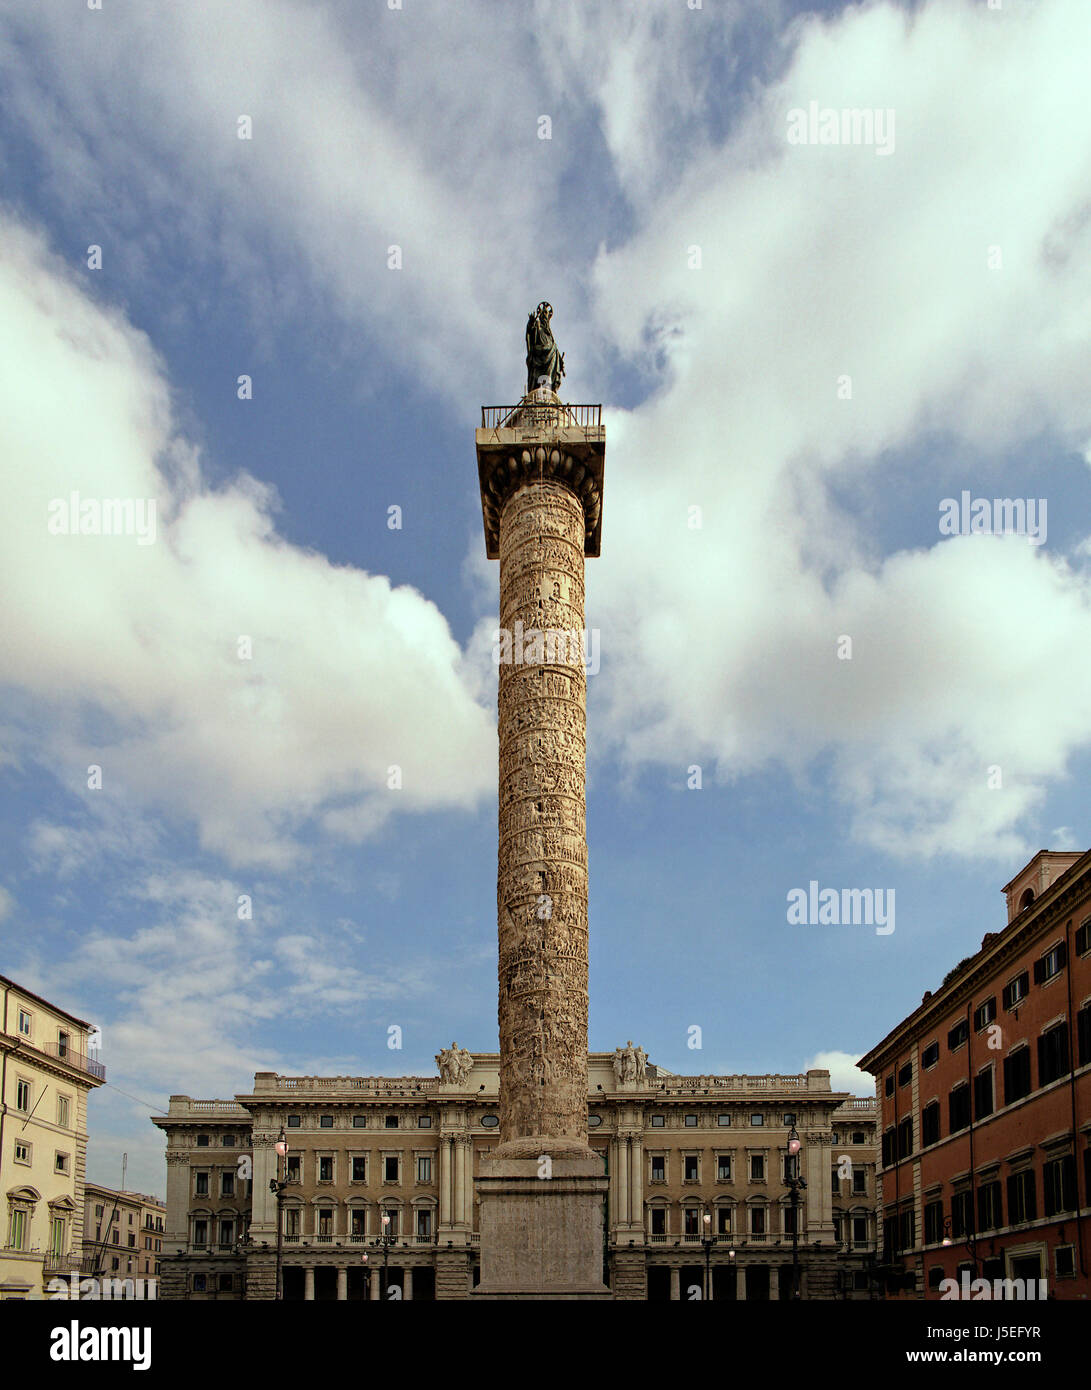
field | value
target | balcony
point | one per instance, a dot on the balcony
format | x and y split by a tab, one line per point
56	1261
64	1053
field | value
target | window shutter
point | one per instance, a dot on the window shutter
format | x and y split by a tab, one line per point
1039	971
1008	996
1062	955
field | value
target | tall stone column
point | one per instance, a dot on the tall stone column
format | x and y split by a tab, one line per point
540	469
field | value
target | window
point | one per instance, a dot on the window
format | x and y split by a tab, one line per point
202	1141
359	1168
757	1167
23	1151
227	1184
291	1221
983	1094
958	1107
325	1121
723	1221
691	1219
390	1121
62	1111
424	1122
723	1168
424	1168
1052	1054
691	1121
294	1169
200	1232
325	1222
1065	1261
24	1023
1022	1197
906	1229
200	1188
659	1168
1083	1035
835	1182
791	1167
658	1122
757	1221
789	1119
22	1096
17	1229
1016	991
391	1213
200	1283
325	1168
962	1214
227	1233
790	1227
930	1124
889	1085
859	1137
933	1223
888	1147
757	1120
98	1212
424	1223
60	1163
659	1221
837	1229
390	1169
293	1122
724	1121
1083	938
989	1214
690	1168
859	1230
958	1035
1016	1075
132	1242
1059	1185
223	1283
1051	964
905	1137
930	1055
984	1014
859	1182
359	1122
905	1074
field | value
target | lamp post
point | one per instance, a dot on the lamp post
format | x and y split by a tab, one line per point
386	1240
796	1184
707	1240
277	1185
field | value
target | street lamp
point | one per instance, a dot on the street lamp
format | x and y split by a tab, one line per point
386	1240
796	1184
707	1240
277	1185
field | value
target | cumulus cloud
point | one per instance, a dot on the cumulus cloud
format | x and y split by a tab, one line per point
844	1073
239	681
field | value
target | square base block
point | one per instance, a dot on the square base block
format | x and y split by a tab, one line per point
541	1237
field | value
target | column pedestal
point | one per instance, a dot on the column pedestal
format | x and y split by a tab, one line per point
541	1237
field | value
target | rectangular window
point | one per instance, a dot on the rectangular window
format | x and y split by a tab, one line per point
1015	991
723	1221
22	1097
227	1184
989	1215
201	1184
227	1141
835	1182
859	1182
1053	1054
962	1214
294	1122
1022	1197
56	1236
359	1168
757	1221
930	1055
424	1168
958	1035
1083	1035
690	1168
691	1121
905	1074
60	1163
325	1222
1083	938
958	1108
62	1111
325	1169
291	1221
200	1283
906	1229
325	1122
227	1233
905	1137
984	1014
17	1229
1051	964
424	1224
757	1168
359	1122
1059	1185
659	1221
390	1169
22	1151
859	1230
390	1122
1016	1075
691	1218
658	1122
200	1232
424	1122
294	1169
930	1124
789	1221
723	1168
659	1168
889	1084
933	1223
983	1094
757	1120
724	1121
24	1023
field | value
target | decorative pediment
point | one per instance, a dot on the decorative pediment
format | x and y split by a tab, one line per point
24	1194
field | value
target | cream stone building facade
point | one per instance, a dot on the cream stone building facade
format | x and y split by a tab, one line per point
46	1076
674	1148
123	1235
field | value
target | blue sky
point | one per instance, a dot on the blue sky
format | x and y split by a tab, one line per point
947	281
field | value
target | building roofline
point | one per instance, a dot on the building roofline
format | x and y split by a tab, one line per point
994	943
55	1008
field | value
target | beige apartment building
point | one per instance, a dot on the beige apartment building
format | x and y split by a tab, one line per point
699	1203
123	1236
46	1075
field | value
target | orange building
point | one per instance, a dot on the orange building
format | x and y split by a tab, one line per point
985	1095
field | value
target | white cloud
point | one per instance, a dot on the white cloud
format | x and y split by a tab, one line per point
844	1073
348	675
